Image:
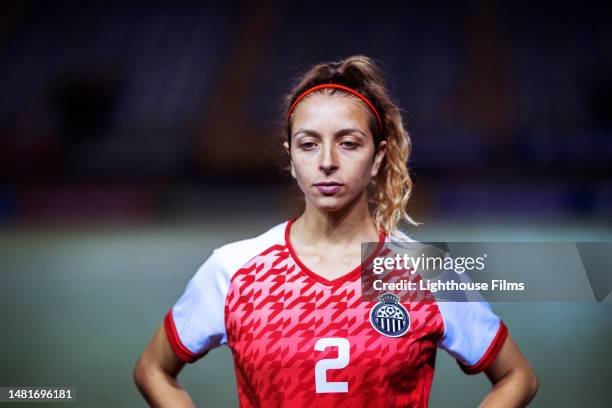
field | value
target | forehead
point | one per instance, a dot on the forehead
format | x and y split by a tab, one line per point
331	110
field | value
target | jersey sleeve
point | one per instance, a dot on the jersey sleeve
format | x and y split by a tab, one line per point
196	322
473	334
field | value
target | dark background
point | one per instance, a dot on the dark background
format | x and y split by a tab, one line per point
135	138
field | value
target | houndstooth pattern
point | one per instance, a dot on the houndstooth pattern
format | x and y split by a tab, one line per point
274	315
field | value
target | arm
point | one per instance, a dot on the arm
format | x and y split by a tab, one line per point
514	381
156	371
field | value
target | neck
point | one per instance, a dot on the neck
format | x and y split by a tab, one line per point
353	223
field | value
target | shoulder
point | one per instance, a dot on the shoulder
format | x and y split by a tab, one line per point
400	241
399	236
233	255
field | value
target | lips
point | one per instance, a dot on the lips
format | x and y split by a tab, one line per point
328	187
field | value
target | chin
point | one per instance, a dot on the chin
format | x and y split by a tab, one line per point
330	204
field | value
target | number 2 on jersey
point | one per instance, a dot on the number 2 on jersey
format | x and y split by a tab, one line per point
344	348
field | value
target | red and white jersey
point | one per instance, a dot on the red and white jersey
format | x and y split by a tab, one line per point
300	340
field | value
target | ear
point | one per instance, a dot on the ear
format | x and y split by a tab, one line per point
378	158
288	150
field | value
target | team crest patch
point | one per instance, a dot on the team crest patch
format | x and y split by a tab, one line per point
389	316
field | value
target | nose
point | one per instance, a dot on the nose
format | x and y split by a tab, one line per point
329	162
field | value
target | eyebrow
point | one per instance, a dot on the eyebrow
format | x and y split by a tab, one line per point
339	133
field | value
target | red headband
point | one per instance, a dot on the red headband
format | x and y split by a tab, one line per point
337	86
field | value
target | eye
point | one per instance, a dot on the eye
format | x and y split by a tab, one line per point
307	145
347	144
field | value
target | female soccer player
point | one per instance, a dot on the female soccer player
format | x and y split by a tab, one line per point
288	303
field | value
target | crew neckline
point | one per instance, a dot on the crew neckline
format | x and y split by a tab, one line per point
342	278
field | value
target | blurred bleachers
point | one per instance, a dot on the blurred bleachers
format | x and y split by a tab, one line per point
500	99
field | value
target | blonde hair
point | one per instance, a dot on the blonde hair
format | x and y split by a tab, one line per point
391	188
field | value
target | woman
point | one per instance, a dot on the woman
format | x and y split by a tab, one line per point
288	302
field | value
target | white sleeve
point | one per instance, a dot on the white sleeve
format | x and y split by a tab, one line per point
196	322
473	334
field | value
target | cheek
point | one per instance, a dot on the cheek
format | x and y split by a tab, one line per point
360	169
301	169
298	165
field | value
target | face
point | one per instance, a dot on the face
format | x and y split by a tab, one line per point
333	156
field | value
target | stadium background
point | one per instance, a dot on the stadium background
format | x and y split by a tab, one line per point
134	139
